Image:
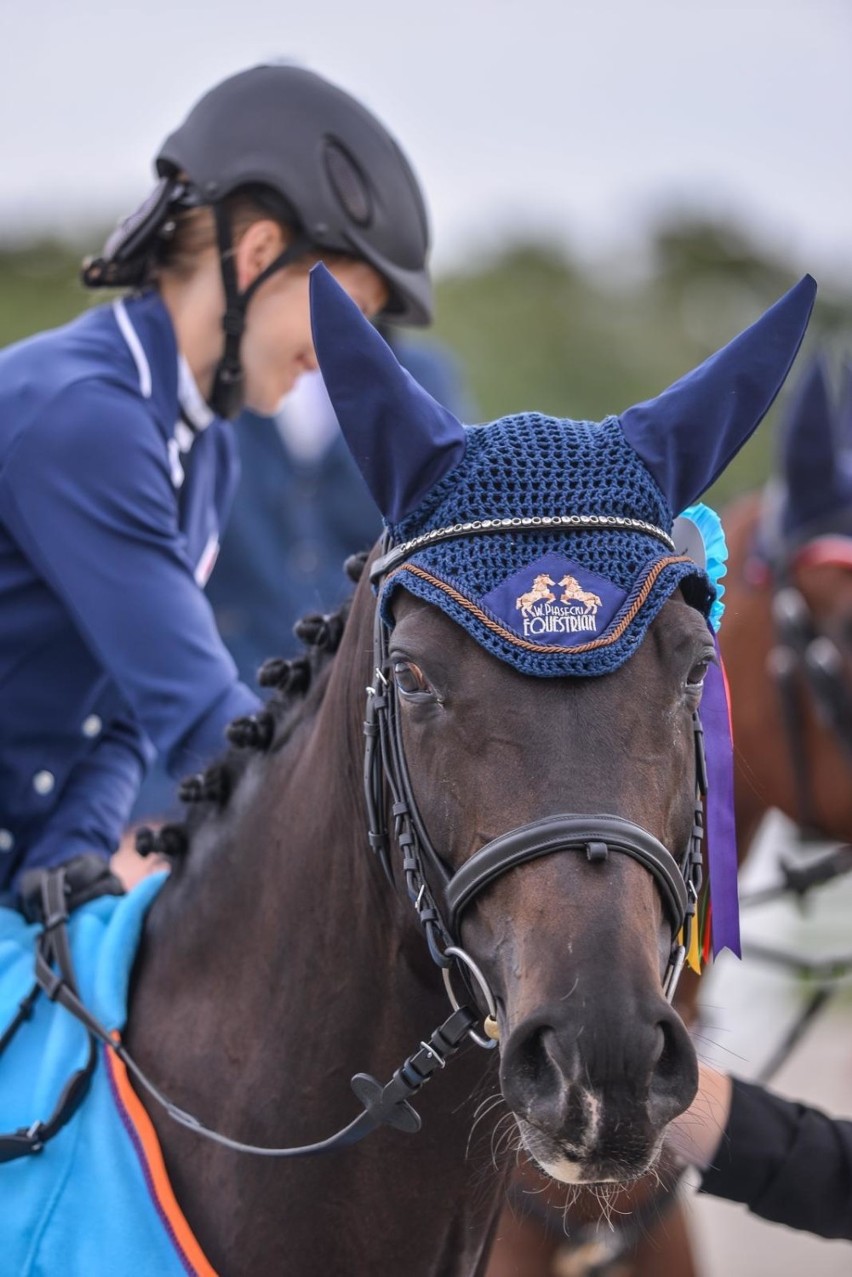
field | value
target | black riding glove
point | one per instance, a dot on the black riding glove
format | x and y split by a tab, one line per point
86	877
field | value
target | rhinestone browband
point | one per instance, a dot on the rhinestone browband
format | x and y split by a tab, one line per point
576	522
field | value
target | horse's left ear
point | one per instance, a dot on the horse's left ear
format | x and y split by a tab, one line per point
402	439
689	433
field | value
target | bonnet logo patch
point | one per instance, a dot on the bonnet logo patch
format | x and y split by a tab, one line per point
555	601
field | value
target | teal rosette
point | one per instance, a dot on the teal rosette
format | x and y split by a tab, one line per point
712	533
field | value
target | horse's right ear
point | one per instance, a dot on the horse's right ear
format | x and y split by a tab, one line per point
402	439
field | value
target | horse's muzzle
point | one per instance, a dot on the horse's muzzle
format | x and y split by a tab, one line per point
592	1105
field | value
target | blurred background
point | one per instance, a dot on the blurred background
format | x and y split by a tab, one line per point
615	189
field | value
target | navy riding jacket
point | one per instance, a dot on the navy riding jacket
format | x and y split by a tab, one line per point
115	479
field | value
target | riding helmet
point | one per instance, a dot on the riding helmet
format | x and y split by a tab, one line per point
342	179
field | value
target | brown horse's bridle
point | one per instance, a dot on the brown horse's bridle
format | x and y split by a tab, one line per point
804	662
440	896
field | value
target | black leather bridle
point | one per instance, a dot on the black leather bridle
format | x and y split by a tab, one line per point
440	896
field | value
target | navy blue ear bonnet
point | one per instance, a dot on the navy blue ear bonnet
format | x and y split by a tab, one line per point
574	558
549	602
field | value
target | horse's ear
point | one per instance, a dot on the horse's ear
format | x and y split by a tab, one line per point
689	433
402	439
813	483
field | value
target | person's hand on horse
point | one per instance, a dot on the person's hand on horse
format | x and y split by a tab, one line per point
695	1135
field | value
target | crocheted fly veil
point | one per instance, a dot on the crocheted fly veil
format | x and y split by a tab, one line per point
549	540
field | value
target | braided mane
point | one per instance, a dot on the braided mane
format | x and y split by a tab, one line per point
298	688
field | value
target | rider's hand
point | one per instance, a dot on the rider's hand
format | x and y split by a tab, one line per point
86	877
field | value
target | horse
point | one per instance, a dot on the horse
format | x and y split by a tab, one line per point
787	638
342	871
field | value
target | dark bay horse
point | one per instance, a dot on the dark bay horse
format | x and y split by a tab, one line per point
534	777
318	971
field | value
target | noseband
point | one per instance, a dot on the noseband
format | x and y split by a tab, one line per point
440	896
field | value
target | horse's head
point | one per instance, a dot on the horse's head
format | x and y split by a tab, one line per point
541	758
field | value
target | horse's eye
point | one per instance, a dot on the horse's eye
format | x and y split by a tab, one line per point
697	675
410	679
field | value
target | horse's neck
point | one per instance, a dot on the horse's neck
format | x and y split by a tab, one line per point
273	969
278	917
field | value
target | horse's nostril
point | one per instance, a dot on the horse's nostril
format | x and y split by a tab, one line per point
529	1071
536	1076
675	1075
532	1060
668	1059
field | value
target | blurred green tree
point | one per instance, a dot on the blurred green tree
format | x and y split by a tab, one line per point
535	328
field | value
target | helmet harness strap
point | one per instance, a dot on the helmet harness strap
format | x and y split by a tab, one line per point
226	398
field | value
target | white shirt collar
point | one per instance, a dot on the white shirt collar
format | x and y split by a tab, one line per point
196	410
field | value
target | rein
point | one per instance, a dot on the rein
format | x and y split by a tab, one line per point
386	1105
439	896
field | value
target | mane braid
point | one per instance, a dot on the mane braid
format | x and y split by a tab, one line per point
299	686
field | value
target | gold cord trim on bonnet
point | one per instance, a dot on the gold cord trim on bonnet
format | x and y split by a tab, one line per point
498	628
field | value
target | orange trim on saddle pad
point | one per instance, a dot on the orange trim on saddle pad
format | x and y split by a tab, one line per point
144	1139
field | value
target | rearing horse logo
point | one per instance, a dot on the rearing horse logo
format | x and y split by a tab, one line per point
574	593
538	593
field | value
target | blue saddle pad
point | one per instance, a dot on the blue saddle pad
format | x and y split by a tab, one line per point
97	1199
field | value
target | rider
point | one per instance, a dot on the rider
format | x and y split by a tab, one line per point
117	460
789	1163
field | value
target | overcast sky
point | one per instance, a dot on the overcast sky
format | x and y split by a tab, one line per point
579	119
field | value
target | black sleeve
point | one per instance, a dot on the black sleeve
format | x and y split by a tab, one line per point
789	1163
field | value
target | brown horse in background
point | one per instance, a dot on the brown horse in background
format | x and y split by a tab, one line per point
787	644
787	637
